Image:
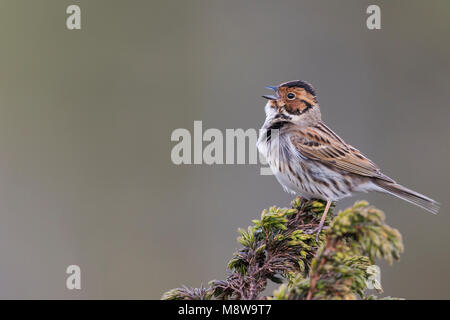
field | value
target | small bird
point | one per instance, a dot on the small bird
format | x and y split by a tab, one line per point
310	160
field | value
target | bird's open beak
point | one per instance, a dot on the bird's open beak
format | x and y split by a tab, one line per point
271	97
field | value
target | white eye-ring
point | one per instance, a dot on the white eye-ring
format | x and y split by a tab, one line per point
291	96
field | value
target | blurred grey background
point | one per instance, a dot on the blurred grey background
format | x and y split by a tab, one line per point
86	117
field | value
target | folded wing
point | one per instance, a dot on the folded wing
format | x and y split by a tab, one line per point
321	144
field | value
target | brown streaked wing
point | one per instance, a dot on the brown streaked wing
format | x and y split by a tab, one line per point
321	144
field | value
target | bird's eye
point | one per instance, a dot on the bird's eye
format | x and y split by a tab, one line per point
291	96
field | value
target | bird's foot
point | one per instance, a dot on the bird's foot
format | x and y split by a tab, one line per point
317	231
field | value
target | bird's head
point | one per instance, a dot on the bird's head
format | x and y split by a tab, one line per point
294	100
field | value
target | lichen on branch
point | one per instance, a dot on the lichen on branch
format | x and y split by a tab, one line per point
281	247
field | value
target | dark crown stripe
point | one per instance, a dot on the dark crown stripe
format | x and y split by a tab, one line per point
301	84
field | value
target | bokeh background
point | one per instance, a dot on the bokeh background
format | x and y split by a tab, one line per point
86	117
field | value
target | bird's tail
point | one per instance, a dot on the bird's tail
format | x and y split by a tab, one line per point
409	195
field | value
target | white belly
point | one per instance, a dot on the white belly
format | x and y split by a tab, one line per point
301	176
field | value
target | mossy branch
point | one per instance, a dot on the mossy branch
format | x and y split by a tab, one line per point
281	247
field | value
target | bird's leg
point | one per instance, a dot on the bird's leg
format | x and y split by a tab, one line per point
322	219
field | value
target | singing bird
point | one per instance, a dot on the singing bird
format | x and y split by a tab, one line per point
310	160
